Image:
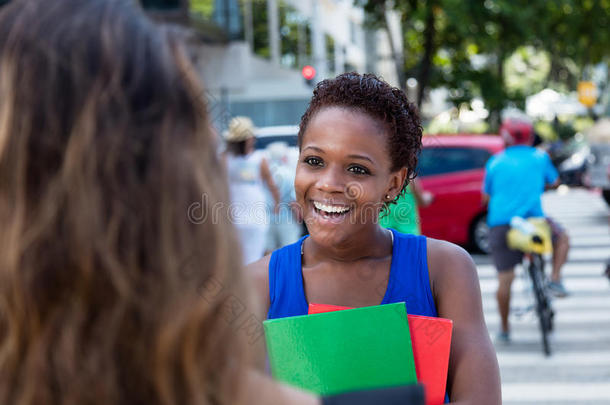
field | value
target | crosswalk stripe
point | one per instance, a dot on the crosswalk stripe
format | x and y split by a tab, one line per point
574	317
574	285
532	335
574	270
572	358
570	303
559	391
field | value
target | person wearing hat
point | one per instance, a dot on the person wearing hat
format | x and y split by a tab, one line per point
248	175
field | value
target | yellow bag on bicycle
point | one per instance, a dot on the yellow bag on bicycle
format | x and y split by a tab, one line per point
538	241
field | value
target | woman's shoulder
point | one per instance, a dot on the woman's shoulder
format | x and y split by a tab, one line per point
446	250
448	264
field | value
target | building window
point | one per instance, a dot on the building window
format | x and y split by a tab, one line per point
260	29
225	14
295	37
161	4
330	53
221	18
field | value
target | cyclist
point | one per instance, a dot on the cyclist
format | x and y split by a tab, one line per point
514	182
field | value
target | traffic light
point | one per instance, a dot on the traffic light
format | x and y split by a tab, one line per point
309	73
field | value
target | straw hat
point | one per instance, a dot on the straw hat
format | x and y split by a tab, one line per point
240	129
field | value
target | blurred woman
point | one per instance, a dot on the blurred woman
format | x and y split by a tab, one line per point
249	175
109	292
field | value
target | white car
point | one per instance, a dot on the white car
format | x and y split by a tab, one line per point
286	134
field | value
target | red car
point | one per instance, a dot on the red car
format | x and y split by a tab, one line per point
452	168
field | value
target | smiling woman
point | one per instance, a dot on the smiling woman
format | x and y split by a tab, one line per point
359	141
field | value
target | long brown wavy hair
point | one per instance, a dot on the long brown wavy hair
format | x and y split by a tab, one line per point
109	292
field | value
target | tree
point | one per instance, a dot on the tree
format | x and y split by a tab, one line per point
377	17
465	45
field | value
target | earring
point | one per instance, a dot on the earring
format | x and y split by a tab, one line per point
387	197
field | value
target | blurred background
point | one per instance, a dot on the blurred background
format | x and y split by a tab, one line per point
462	62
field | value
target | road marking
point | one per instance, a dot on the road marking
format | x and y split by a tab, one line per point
558	359
573	285
573	302
558	391
574	317
574	270
566	336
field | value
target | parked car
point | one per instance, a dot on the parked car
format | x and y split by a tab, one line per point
452	168
280	133
286	134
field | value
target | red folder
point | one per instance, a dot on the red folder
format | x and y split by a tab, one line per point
431	342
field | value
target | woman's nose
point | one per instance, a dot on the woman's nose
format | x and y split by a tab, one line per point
331	181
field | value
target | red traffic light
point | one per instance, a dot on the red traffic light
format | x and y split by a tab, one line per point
308	72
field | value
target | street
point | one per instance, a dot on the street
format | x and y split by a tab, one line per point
578	372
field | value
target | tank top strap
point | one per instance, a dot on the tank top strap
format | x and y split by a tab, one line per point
409	278
286	293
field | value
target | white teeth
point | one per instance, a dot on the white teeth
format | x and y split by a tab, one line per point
330	208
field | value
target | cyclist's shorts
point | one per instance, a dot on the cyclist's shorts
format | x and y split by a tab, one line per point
504	258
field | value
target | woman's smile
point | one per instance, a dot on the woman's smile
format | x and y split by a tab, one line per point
330	213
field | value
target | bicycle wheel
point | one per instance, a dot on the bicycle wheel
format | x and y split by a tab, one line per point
543	305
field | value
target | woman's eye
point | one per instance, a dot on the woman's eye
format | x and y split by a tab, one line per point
358	170
313	161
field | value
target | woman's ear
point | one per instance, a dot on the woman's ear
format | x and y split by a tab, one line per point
397	180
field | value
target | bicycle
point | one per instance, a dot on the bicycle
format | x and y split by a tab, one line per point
533	238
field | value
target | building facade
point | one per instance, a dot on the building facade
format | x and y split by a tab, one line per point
250	52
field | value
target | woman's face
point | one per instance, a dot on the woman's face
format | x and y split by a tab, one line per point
343	174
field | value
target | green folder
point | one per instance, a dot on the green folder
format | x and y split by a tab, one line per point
336	352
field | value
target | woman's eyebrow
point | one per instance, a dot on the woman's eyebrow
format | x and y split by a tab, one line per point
361	157
352	156
315	148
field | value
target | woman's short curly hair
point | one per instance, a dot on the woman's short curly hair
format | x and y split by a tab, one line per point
382	102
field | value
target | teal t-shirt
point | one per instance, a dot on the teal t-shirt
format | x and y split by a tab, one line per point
403	215
515	180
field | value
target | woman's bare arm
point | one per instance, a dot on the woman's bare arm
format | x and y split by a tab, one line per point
474	375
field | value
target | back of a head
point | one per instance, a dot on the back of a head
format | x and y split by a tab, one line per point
517	132
111	286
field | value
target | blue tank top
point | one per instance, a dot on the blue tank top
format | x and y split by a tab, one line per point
408	281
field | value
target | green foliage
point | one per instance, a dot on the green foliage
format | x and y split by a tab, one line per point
499	50
562	128
295	37
204	8
260	29
565	130
581	124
